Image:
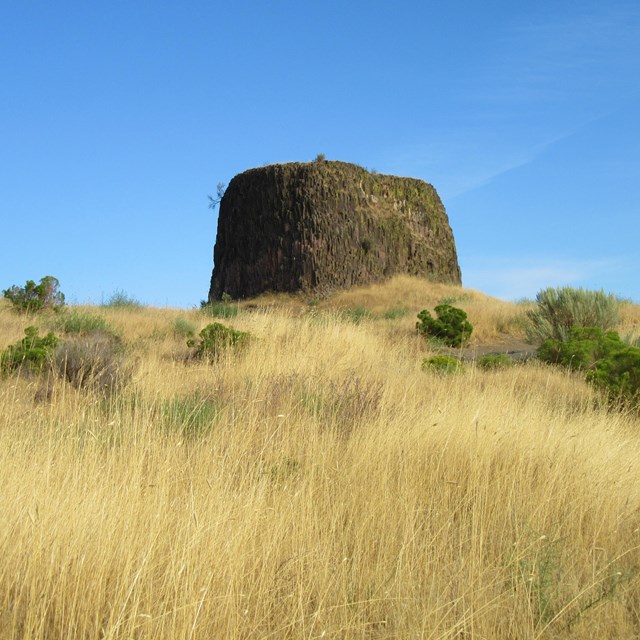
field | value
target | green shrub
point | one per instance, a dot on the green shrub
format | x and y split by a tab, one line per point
443	364
190	416
618	375
395	312
32	353
122	300
610	364
582	348
78	322
215	339
220	309
494	361
356	314
36	297
96	360
182	328
557	310
463	297
451	325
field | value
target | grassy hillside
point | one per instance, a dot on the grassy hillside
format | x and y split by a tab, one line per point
318	484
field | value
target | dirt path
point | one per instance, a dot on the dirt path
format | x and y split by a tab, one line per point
516	349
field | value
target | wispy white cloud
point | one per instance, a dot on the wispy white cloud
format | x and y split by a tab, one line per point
543	81
563	57
459	162
512	279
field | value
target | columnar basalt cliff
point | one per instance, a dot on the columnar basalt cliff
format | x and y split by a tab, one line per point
320	226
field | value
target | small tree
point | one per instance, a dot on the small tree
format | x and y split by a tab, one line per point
35	297
215	338
451	325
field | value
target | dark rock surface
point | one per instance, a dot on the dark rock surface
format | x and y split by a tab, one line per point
321	226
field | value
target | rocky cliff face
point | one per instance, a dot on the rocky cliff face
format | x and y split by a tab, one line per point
320	226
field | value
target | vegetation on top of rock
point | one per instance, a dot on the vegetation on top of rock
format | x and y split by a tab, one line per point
451	325
559	309
36	297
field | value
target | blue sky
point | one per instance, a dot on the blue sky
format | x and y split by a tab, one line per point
118	118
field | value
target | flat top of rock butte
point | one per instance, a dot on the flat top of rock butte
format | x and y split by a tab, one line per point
337	167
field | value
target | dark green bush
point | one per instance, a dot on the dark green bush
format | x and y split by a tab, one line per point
583	347
451	325
215	339
610	364
31	354
558	310
494	361
36	297
442	364
619	375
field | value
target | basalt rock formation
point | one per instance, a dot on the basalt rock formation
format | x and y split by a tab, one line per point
320	226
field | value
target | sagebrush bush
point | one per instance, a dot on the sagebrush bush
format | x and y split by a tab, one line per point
451	325
182	328
96	360
36	297
32	354
443	364
122	300
78	322
559	309
220	308
215	339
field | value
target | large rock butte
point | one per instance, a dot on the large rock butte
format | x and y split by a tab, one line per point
320	226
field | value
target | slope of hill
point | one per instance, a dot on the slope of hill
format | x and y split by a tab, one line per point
317	483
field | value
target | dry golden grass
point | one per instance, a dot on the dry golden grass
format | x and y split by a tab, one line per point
317	485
